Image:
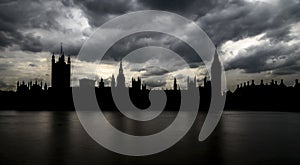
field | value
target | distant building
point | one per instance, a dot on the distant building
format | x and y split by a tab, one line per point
22	87
60	71
191	85
31	87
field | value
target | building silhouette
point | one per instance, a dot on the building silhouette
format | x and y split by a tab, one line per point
60	71
136	84
275	95
101	83
30	87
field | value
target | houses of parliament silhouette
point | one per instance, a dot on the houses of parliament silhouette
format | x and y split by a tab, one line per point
247	96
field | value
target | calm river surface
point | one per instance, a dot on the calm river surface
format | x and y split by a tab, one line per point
241	138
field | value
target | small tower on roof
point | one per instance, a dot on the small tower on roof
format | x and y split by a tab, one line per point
121	77
175	84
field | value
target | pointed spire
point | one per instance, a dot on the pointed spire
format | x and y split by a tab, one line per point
113	81
45	86
175	84
121	67
53	58
61	48
216	56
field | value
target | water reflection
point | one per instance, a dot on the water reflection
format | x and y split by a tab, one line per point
240	138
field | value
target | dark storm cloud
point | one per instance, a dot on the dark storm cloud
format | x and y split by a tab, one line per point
139	40
222	20
135	41
243	19
22	21
169	5
227	20
18	15
99	11
237	19
268	57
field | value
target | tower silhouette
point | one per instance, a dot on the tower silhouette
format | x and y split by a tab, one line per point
136	84
121	77
60	71
216	72
175	84
101	83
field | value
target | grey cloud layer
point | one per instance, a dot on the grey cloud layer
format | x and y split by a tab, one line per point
222	20
39	26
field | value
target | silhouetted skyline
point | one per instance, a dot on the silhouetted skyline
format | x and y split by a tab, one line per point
248	95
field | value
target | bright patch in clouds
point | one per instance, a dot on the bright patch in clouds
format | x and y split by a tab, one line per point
231	49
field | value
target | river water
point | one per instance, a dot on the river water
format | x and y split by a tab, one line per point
46	137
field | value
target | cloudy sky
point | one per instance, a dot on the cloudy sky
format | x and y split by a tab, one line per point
257	39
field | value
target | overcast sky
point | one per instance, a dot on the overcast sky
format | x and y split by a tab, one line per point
257	39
